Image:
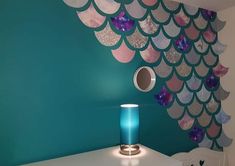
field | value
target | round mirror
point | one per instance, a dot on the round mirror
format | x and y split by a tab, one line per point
144	79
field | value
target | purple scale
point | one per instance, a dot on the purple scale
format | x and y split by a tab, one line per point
212	81
208	14
163	98
122	22
182	43
196	134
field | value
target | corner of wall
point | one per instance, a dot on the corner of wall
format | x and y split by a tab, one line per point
227	36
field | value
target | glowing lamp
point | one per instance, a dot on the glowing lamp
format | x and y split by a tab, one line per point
129	129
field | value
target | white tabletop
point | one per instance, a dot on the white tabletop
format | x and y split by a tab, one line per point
111	157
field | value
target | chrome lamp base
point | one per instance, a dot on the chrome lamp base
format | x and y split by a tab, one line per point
129	150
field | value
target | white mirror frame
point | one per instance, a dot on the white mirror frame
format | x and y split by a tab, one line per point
153	79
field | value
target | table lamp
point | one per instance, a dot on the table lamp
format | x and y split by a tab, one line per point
129	129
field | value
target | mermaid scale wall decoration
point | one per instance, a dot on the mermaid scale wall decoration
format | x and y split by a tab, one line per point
180	43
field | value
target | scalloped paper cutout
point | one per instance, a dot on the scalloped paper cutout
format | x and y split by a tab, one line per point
209	36
222	117
135	10
205	119
201	69
208	15
214	130
122	22
185	96
150	55
91	18
210	59
175	111
212	106
164	97
172	56
191	10
137	40
217	25
149	26
192	32
123	54
160	14
220	70
163	70
76	3
181	18
107	6
212	82
220	94
201	46
107	37
186	122
183	69
196	134
224	140
203	95
182	43
161	41
192	57
175	84
218	48
200	22
171	29
195	108
150	2
194	83
206	142
171	5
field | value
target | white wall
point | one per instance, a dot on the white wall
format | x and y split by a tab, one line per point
215	5
227	36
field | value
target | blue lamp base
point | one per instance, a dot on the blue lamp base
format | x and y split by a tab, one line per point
129	150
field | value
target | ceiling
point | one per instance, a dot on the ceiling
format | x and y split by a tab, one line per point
215	5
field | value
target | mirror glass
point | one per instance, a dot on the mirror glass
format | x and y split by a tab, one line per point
144	79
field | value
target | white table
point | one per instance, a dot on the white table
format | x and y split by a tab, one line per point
111	157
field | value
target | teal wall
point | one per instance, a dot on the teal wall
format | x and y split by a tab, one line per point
60	90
